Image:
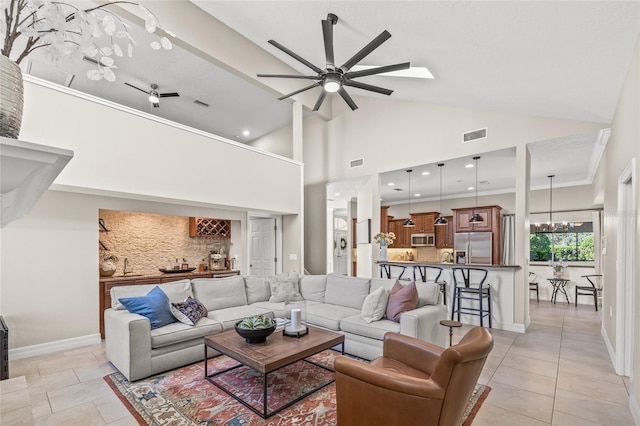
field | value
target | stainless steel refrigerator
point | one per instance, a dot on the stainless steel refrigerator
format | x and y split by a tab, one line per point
472	248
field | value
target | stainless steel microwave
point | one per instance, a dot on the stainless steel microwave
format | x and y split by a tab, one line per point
423	240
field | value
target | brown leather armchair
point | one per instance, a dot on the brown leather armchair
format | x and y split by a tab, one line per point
413	382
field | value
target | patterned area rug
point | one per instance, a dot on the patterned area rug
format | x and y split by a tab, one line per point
183	396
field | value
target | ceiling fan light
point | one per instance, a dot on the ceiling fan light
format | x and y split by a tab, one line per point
331	86
440	221
476	218
409	223
153	98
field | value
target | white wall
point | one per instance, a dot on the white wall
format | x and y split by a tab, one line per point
129	161
279	142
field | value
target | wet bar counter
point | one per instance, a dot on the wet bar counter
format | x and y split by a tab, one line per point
157	278
507	312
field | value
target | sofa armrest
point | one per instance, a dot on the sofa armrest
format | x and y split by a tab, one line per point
424	323
128	343
415	353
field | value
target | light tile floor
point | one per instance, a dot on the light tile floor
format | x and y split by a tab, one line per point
558	373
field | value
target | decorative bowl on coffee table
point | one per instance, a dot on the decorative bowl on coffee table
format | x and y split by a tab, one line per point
255	335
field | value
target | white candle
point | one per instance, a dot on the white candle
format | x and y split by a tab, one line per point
295	319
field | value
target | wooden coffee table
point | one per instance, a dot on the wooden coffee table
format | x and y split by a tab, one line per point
277	352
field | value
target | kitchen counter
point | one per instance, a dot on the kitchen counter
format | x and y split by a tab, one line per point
506	298
173	276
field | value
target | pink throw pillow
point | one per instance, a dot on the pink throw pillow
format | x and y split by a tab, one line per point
401	299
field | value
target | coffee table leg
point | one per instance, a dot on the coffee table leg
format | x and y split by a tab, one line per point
264	394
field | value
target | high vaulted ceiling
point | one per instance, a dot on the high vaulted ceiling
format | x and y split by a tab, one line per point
553	59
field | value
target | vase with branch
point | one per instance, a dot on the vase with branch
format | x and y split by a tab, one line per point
62	29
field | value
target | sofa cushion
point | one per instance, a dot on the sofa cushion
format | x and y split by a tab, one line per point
401	299
229	316
189	311
313	287
277	308
284	287
328	316
375	305
219	293
346	291
386	283
428	293
154	306
178	332
257	289
355	324
176	291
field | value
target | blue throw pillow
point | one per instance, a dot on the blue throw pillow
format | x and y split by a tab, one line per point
155	306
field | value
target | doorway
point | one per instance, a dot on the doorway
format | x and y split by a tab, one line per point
263	261
626	273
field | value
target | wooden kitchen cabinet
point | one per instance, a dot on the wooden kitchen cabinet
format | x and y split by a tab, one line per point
490	214
384	219
424	222
444	234
207	227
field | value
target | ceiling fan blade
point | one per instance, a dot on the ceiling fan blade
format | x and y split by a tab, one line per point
369	87
168	95
298	91
327	33
306	77
373	45
295	56
347	99
323	95
378	70
137	88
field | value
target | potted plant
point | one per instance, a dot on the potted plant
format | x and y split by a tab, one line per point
558	268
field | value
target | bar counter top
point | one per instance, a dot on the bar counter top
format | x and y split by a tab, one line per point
178	275
407	263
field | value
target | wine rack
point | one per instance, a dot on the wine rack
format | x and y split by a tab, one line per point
206	227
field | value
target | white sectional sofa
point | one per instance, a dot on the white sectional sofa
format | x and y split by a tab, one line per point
333	302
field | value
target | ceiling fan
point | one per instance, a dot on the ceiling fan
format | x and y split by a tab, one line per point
334	79
154	96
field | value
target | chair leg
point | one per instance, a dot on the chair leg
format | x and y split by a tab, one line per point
489	304
576	301
453	303
537	294
595	299
481	303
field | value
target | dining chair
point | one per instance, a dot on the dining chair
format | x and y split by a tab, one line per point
533	285
594	288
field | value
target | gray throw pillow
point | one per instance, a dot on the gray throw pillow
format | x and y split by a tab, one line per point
284	288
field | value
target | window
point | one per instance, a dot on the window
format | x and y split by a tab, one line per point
572	242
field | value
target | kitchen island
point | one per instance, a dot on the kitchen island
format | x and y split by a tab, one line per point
502	279
106	283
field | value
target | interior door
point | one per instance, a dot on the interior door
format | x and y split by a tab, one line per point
263	247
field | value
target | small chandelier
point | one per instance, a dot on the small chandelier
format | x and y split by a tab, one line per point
409	222
476	217
440	220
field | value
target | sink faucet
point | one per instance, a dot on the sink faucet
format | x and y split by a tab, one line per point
126	264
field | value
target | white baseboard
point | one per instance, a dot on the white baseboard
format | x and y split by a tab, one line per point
50	347
634	407
610	349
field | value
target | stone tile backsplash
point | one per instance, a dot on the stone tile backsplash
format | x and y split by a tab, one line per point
153	241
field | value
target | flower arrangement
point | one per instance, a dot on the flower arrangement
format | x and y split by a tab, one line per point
558	267
384	238
63	29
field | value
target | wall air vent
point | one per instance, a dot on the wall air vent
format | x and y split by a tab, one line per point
356	163
203	104
474	135
398	189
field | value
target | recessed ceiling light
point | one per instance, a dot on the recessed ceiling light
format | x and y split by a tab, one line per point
246	132
391	184
471	188
425	173
416	195
469	166
412	72
337	194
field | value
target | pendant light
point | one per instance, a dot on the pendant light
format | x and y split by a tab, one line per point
409	222
551	227
476	217
440	220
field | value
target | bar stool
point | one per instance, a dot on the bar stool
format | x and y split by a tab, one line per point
470	284
431	274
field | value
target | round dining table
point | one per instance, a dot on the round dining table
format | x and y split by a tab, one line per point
559	285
